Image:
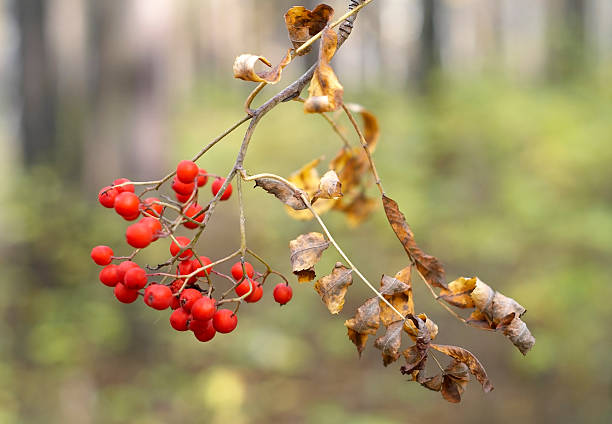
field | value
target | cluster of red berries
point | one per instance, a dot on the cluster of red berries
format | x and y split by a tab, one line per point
193	307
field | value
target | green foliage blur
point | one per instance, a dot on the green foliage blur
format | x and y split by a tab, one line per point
508	181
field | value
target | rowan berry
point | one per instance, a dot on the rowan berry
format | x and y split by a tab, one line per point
179	319
225	321
188	298
150	207
126	188
283	293
135	278
102	255
126	205
202	177
205	331
191	212
108	275
216	186
125	295
182	242
187	171
139	235
237	270
203	309
158	296
107	196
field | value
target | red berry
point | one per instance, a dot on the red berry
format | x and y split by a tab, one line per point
188	298
175	248
216	186
203	309
225	321
202	177
182	188
158	296
204	330
237	270
102	255
139	235
192	211
151	208
175	303
283	293
126	205
135	278
187	171
125	188
123	268
179	320
176	285
107	196
153	224
195	264
247	286
108	275
256	295
125	295
185	268
182	197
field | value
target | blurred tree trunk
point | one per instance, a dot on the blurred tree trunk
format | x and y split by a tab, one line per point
36	84
429	50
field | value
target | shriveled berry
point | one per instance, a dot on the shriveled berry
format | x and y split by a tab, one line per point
237	270
125	295
102	255
179	319
203	309
107	196
139	235
158	296
216	186
135	278
282	293
109	276
202	177
187	171
191	212
188	298
125	188
225	321
175	248
127	204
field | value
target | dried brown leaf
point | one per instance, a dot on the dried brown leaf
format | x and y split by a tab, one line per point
371	130
390	342
325	91
332	288
429	266
302	23
454	382
474	365
517	332
307	179
458	292
425	326
365	322
244	68
358	210
416	358
283	191
329	187
306	251
350	165
398	291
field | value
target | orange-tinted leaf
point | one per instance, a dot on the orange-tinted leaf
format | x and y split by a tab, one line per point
244	68
429	266
365	322
390	342
307	179
325	91
332	288
458	292
371	130
398	291
283	191
474	365
350	165
306	251
302	23
358	210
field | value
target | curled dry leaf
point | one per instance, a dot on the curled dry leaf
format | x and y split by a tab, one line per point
454	382
371	130
284	192
329	187
429	266
365	322
306	251
474	365
325	91
350	165
307	179
390	342
358	210
427	326
398	291
244	68
302	23
493	310
332	288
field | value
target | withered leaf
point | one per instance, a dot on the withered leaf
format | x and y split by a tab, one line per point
398	291
455	380
429	266
244	68
371	130
433	383
332	288
302	23
283	191
416	358
307	179
350	165
306	251
517	332
325	91
474	365
390	342
458	292
365	322
329	187
358	210
425	326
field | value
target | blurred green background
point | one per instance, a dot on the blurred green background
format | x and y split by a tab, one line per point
496	121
